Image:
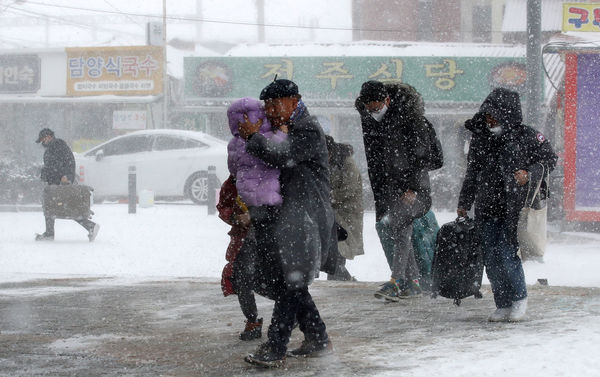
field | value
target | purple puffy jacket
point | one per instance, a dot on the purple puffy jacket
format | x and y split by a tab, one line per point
256	182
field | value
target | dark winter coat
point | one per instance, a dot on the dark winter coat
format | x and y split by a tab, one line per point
492	160
396	147
346	193
58	162
305	225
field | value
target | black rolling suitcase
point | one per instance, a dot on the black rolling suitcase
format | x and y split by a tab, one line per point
458	262
67	201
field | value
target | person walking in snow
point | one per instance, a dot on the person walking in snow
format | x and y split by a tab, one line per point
257	185
236	277
347	203
396	138
304	234
59	169
504	156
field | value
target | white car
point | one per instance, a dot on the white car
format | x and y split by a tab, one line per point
171	163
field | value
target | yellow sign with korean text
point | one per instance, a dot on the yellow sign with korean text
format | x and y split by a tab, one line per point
122	70
581	17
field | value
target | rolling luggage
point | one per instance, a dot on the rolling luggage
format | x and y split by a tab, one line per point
458	261
67	201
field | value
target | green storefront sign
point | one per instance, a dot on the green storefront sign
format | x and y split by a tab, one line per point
454	79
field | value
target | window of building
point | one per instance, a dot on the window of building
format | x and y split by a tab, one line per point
425	17
482	23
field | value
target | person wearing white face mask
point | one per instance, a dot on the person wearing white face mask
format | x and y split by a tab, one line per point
378	114
504	156
396	138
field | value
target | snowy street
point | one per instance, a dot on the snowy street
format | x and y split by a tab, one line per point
144	300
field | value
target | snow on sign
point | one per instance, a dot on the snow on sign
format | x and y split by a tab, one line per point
131	70
582	137
129	120
19	73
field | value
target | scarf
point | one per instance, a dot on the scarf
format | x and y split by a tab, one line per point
300	109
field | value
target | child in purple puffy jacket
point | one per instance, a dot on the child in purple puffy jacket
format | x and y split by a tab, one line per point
258	187
256	182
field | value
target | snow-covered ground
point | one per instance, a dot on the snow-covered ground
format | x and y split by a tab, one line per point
183	241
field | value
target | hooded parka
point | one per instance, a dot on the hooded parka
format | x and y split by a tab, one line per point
493	160
395	148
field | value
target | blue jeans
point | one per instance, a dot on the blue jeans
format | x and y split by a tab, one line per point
502	265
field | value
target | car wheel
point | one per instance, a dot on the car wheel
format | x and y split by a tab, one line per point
196	187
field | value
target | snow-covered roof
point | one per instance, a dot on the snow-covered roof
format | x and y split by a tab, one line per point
378	48
175	58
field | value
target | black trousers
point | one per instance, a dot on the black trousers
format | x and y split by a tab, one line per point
86	223
289	304
292	304
243	278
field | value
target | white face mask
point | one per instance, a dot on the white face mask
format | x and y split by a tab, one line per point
378	115
497	131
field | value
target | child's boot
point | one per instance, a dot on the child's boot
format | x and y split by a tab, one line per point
253	330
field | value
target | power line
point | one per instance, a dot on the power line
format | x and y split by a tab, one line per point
225	22
118	10
193	19
59	20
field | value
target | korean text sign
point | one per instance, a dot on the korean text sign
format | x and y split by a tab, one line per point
340	78
131	70
19	73
581	17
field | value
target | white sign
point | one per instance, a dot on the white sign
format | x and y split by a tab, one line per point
154	34
129	120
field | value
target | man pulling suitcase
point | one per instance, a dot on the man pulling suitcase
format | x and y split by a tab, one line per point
62	199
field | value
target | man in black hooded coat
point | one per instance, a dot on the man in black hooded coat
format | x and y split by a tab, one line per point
397	145
504	157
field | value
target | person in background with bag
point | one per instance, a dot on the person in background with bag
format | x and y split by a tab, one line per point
503	156
59	169
400	147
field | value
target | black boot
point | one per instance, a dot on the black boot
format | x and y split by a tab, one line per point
266	357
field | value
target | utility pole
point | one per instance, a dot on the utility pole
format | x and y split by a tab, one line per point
356	20
260	20
165	72
534	62
198	23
